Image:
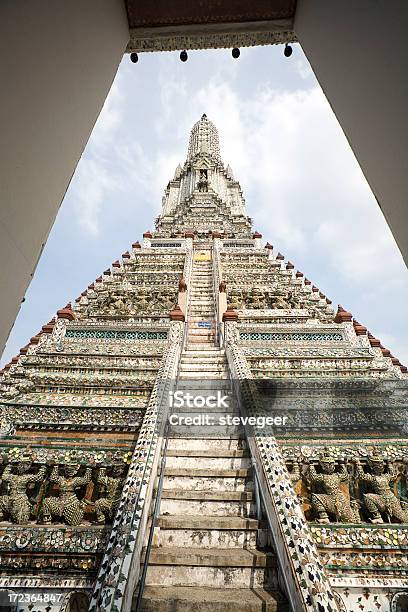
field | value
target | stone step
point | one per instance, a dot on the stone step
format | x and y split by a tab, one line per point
204	366
203	358
217	557
199	288
205	351
204	313
211	577
217	362
213	373
211	410
209	383
206	507
201	301
192	494
201	338
207	484
212	463
202	599
206	453
206	431
198	375
206	445
207	472
209	538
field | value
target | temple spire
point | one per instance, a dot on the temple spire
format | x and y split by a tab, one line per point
204	139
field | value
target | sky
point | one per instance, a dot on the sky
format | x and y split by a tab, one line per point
303	186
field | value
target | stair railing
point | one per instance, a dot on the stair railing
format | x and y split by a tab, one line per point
306	584
216	286
155	515
128	530
188	273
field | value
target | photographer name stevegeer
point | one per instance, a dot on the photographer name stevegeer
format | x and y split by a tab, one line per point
228	419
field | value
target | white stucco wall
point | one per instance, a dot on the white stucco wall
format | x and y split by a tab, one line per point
359	55
57	63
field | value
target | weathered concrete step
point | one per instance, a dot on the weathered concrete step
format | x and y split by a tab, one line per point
206	431
196	324
208	538
212	463
211	577
203	357
207	473
207	445
199	332
197	375
194	410
202	301
199	348
206	360
213	557
210	351
187	452
208	495
186	521
204	483
204	367
230	508
211	371
186	599
216	459
202	311
207	383
196	385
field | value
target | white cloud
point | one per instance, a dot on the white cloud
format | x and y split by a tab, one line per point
306	187
95	177
90	189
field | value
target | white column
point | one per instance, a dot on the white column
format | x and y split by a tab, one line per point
358	52
58	61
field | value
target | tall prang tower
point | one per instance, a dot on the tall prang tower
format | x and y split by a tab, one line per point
202	430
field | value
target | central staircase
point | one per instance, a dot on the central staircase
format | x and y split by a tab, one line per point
209	551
